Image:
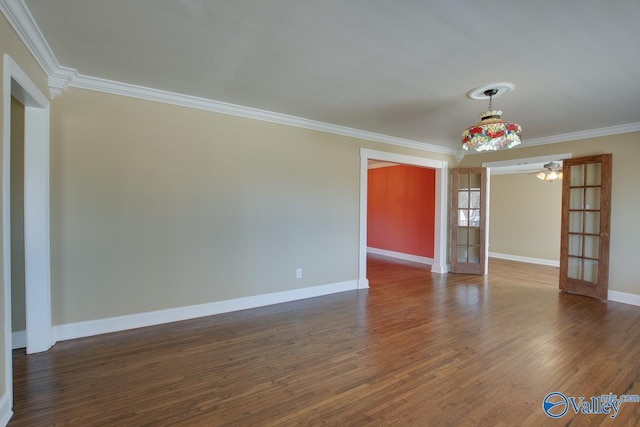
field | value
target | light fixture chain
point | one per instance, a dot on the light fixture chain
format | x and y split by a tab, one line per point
490	93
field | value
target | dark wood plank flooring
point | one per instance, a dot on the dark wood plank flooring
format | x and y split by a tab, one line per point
417	349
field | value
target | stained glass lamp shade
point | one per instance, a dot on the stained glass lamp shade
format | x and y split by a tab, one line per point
491	133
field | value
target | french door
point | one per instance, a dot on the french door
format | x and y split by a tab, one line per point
468	240
586	217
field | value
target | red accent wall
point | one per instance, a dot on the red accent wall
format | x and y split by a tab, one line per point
401	209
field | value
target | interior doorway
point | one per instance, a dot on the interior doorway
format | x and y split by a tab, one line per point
16	83
441	187
523	208
18	301
400	211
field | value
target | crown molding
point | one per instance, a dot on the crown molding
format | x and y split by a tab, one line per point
125	89
23	23
584	134
25	26
60	78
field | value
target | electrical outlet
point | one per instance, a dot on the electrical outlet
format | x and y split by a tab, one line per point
298	273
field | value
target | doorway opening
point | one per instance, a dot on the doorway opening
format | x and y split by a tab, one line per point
39	337
522	208
18	302
440	220
400	211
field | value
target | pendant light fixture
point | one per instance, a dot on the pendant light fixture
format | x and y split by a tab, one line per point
491	133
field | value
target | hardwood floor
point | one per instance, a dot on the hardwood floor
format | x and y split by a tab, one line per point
416	349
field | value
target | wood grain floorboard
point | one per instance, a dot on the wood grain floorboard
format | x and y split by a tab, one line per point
416	349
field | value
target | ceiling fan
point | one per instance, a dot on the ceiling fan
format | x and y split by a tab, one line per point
551	172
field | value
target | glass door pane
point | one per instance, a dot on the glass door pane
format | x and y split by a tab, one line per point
577	175
592	222
575	222
586	203
575	268
468	194
593	174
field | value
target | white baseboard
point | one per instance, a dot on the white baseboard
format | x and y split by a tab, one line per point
363	283
541	261
400	255
5	410
18	339
617	296
113	324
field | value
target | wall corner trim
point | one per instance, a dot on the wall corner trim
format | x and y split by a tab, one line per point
440	269
60	79
363	283
5	410
121	323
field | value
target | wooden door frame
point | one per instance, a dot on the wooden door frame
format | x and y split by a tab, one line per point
483	253
441	207
579	286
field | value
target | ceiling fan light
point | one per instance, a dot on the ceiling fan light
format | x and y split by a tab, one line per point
552	171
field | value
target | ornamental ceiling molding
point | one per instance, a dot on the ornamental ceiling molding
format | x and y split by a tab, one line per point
23	23
583	134
61	77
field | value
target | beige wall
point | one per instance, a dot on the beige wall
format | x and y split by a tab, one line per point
525	209
156	206
18	322
625	204
11	44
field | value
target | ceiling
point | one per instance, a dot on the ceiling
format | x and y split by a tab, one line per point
400	68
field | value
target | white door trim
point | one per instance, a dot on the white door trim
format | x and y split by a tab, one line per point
440	233
36	216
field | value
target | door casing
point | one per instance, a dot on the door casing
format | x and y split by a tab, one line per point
441	231
598	289
16	83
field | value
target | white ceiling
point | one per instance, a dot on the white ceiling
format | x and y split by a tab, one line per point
395	67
